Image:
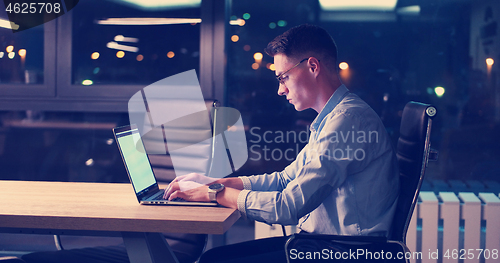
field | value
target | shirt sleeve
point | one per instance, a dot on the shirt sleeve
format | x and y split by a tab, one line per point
322	166
247	185
276	181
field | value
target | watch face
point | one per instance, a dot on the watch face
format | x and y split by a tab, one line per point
216	186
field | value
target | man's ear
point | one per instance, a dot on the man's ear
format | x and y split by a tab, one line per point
314	65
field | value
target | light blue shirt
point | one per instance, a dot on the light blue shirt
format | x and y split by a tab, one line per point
343	182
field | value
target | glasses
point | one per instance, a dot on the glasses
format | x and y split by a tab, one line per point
280	76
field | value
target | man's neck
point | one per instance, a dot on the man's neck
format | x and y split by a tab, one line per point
325	93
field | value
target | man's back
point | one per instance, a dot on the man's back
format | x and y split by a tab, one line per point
344	181
363	201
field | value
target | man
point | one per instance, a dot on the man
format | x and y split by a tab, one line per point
343	182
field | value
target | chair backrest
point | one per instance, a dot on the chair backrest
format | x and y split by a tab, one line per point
412	151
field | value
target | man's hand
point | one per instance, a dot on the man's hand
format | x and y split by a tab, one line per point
194	187
194	177
187	182
189	191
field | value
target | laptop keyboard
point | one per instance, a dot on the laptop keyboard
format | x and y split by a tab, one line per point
177	199
159	197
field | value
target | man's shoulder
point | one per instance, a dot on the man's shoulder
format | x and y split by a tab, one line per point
352	105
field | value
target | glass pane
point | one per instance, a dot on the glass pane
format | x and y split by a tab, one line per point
445	54
131	42
21	54
276	131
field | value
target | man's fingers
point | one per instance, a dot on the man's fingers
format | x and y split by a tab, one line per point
199	194
178	178
176	194
172	187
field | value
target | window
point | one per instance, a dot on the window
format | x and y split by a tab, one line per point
131	42
443	54
24	67
21	56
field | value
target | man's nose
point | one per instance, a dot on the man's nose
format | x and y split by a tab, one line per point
282	90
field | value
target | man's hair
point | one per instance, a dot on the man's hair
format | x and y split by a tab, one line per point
305	40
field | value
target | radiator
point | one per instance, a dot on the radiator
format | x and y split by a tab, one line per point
445	228
448	227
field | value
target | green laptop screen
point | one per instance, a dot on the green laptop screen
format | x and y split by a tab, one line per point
136	160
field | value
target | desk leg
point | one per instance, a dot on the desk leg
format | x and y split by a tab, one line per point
148	248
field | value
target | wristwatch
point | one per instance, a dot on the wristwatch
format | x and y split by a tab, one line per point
213	189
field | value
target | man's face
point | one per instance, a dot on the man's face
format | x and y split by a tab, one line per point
296	83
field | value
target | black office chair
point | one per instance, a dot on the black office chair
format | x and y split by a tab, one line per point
413	152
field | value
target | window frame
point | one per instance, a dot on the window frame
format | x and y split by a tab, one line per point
59	94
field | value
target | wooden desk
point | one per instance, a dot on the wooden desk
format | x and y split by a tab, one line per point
105	209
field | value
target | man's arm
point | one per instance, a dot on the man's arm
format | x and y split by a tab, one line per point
232	182
229	197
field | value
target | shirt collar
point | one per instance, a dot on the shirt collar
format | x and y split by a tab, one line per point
334	100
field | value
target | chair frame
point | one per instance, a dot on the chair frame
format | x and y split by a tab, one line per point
431	112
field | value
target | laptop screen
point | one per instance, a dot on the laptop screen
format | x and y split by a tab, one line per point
135	159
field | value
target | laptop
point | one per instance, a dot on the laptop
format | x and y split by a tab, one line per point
139	169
